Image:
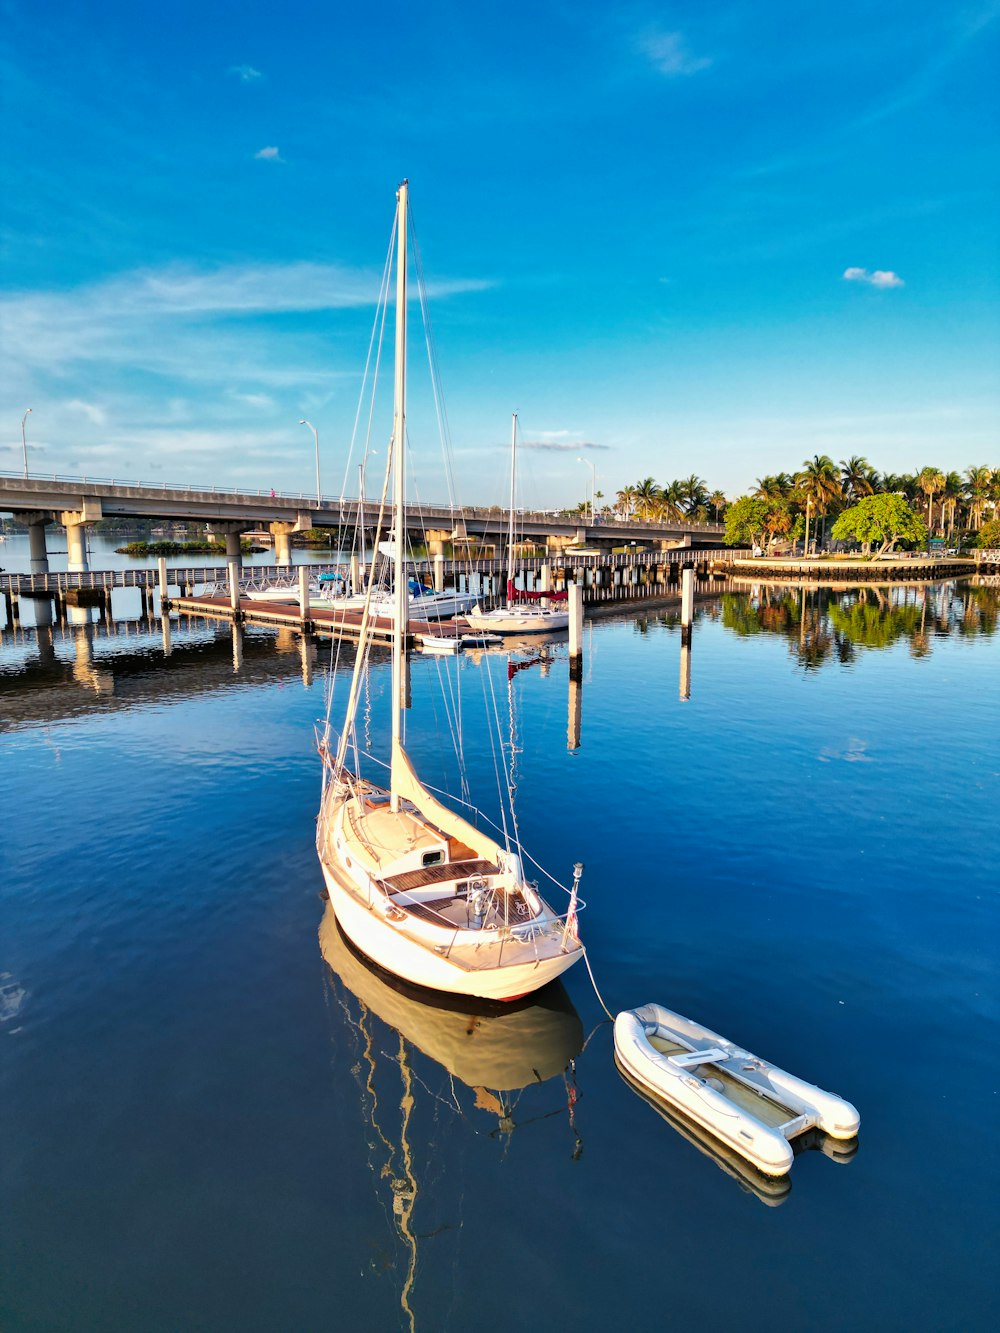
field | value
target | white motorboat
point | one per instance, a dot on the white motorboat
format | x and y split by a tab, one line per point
417	887
521	612
277	593
752	1106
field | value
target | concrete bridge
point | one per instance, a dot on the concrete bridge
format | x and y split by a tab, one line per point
76	502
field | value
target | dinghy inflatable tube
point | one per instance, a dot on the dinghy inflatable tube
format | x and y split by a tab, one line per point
749	1104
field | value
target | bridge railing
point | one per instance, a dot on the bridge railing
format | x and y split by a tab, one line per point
432	509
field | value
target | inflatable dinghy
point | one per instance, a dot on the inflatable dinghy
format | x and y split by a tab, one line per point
752	1106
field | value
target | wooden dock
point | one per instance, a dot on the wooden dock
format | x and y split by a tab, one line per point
339	623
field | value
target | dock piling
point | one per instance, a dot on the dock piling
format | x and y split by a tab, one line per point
304	594
576	629
687	604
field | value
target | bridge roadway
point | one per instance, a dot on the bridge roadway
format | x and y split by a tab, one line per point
75	502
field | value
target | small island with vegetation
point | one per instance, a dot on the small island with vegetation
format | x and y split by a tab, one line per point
207	547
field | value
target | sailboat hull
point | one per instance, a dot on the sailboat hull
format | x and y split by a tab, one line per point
384	944
512	621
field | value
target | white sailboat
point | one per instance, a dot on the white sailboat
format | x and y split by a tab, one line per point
514	617
415	886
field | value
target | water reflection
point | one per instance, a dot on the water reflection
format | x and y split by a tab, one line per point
49	673
769	1190
823	625
493	1052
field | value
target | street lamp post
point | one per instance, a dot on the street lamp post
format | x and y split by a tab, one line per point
593	487
315	432
24	442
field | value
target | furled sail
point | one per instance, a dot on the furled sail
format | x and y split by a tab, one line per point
408	787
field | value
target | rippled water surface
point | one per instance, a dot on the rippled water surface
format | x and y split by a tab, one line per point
216	1116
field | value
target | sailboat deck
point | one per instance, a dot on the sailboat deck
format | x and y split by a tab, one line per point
437	874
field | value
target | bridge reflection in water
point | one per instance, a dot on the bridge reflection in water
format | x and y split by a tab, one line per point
52	673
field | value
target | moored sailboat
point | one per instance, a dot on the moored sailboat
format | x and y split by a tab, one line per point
415	886
521	612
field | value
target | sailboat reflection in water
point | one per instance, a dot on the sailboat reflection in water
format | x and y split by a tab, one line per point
460	1057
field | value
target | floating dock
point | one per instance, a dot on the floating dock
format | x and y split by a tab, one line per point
338	623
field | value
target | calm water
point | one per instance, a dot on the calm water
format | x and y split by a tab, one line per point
209	1126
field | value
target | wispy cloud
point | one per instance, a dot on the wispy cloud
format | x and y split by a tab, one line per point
262	402
561	446
269	154
90	410
668	53
245	73
880	277
185	359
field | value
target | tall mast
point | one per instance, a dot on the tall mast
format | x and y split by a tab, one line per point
510	532
402	592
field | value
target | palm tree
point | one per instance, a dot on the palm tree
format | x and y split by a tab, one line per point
646	494
855	477
626	501
950	496
978	483
694	492
673	498
930	481
819	482
778	487
718	502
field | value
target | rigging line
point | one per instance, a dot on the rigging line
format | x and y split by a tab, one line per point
361	656
436	389
383	304
493	750
503	789
512	777
383	287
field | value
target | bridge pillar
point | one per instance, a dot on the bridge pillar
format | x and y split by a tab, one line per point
36	542
436	538
76	543
439	573
232	533
282	534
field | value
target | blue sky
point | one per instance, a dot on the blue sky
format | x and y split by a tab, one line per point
676	238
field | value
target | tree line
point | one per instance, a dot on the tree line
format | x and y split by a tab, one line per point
849	501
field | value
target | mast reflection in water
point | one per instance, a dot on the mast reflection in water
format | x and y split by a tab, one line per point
495	1052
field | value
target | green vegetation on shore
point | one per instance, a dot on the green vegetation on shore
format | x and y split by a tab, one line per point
864	505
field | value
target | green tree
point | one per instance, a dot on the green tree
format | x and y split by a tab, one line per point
989	535
886	519
746	521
